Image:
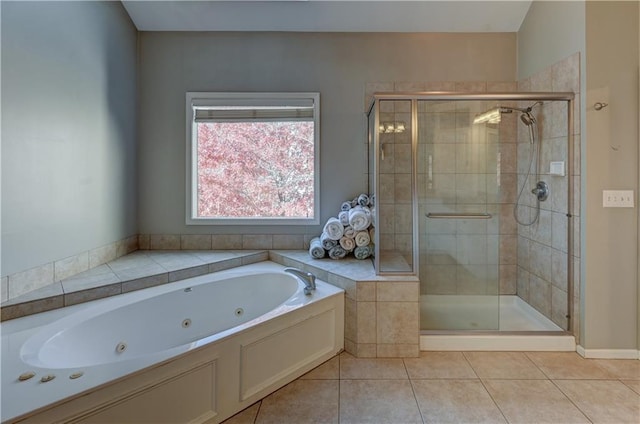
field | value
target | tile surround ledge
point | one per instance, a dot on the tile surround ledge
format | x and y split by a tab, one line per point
381	316
134	271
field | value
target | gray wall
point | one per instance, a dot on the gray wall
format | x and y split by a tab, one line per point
68	129
551	31
611	235
338	65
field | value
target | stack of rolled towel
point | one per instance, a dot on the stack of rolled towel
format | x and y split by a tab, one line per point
351	231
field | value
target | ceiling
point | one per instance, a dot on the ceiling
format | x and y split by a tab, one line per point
328	16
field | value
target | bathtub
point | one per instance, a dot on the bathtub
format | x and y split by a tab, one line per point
197	350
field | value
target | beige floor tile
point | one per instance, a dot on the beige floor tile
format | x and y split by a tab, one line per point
246	416
330	370
439	365
378	401
633	384
455	401
371	368
503	365
302	401
568	365
621	368
603	401
533	401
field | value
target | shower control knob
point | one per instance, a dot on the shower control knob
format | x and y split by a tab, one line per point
541	191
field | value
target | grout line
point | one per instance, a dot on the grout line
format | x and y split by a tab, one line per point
415	398
493	400
255	419
470	365
537	366
406	371
571	400
339	383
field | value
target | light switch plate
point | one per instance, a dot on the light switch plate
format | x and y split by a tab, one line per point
557	168
617	199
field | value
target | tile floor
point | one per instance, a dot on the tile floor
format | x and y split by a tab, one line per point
458	387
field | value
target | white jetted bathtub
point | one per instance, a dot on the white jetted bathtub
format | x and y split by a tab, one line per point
197	350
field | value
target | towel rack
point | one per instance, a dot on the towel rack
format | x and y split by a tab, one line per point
447	215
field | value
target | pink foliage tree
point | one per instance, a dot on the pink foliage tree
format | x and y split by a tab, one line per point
255	169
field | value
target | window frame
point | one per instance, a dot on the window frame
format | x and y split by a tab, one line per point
203	99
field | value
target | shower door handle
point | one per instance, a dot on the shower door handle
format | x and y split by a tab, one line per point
447	215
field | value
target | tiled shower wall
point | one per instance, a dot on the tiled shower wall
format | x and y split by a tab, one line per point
532	261
543	247
461	256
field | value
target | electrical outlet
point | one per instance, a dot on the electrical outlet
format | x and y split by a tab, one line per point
617	199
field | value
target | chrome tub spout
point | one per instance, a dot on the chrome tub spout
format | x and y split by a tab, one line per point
307	278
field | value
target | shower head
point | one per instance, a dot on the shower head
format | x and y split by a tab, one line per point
525	113
493	116
527	119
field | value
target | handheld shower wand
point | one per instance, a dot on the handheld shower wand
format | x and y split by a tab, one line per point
541	190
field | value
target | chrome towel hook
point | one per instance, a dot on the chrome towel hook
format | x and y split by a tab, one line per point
600	105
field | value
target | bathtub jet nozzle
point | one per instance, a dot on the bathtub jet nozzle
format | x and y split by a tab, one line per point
307	278
121	347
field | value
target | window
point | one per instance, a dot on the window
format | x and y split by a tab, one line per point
253	158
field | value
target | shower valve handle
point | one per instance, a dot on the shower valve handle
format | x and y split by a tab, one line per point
541	191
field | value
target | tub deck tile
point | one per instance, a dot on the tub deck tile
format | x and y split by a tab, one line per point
183	274
145	282
82	296
172	260
24	308
94	278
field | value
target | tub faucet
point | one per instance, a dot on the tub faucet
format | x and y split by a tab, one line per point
307	278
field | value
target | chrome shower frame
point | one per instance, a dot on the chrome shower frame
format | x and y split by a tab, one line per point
414	97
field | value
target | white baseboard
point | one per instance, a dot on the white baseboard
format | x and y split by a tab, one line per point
489	342
608	353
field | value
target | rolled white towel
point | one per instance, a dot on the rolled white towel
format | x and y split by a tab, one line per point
343	216
362	252
327	242
372	200
316	250
337	253
345	206
363	200
372	209
347	243
334	229
359	219
349	232
362	238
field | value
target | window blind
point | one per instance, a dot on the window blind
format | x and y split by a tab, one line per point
263	109
230	114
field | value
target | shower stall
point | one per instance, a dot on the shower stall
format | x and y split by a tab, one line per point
474	196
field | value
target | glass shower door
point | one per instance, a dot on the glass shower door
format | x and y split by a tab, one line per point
460	190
